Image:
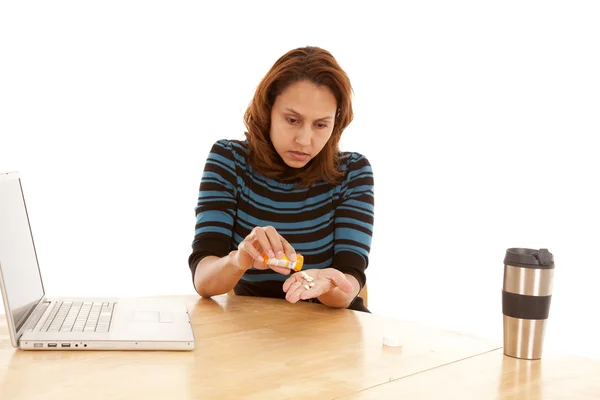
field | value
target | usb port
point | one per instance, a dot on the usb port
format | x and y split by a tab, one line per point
52	345
65	345
38	345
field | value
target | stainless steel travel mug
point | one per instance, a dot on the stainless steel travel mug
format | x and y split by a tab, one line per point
526	295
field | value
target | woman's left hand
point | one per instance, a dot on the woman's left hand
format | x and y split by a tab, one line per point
298	287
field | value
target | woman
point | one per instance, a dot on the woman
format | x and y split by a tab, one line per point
287	189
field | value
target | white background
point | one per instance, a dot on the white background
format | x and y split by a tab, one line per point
479	120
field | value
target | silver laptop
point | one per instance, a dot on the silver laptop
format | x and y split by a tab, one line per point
40	323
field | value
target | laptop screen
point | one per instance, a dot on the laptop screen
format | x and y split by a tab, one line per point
18	260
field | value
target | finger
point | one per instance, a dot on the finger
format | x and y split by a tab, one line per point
289	281
251	240
250	249
251	236
293	294
280	270
288	249
312	292
275	240
339	280
262	238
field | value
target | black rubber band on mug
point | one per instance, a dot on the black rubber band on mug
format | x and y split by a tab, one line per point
525	307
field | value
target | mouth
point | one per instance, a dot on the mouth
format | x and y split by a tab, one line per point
298	155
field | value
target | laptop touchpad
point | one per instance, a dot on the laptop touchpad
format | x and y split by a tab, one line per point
144	316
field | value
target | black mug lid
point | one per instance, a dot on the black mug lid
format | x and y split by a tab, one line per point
541	258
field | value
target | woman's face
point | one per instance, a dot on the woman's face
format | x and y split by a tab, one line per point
302	121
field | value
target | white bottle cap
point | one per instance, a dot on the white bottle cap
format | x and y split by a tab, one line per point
392	341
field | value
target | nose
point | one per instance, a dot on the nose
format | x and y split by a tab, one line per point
304	135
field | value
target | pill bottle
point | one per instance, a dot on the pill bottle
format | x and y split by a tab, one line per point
285	262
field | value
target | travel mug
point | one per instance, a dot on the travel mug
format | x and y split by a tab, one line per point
526	295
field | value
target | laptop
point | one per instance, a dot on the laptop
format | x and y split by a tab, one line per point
37	322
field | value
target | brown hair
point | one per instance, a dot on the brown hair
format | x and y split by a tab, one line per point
315	65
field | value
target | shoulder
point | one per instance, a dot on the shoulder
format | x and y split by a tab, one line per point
230	147
229	151
355	165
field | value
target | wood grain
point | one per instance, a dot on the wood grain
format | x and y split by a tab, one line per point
246	348
496	376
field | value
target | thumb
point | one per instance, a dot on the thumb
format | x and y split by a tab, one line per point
340	280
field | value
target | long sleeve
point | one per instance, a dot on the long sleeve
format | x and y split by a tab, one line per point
216	207
354	218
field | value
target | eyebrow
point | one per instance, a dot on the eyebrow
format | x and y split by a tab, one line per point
291	110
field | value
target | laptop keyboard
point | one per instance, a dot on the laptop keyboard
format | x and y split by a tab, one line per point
79	317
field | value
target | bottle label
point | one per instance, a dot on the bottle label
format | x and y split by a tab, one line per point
281	263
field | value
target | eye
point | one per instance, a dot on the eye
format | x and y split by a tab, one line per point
291	120
321	125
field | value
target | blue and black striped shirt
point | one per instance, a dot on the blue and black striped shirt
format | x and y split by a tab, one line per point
330	225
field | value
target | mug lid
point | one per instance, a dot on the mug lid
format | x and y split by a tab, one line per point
533	257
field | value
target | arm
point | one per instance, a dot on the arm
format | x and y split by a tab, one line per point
212	263
217	275
354	218
339	285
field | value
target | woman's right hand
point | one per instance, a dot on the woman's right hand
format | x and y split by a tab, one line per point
263	239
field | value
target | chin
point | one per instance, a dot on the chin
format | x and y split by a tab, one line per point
296	164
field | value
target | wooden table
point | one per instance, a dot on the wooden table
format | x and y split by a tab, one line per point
495	376
254	348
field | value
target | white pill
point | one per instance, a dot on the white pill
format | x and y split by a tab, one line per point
311	284
305	286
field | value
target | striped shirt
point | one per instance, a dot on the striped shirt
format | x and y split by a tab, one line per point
331	225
